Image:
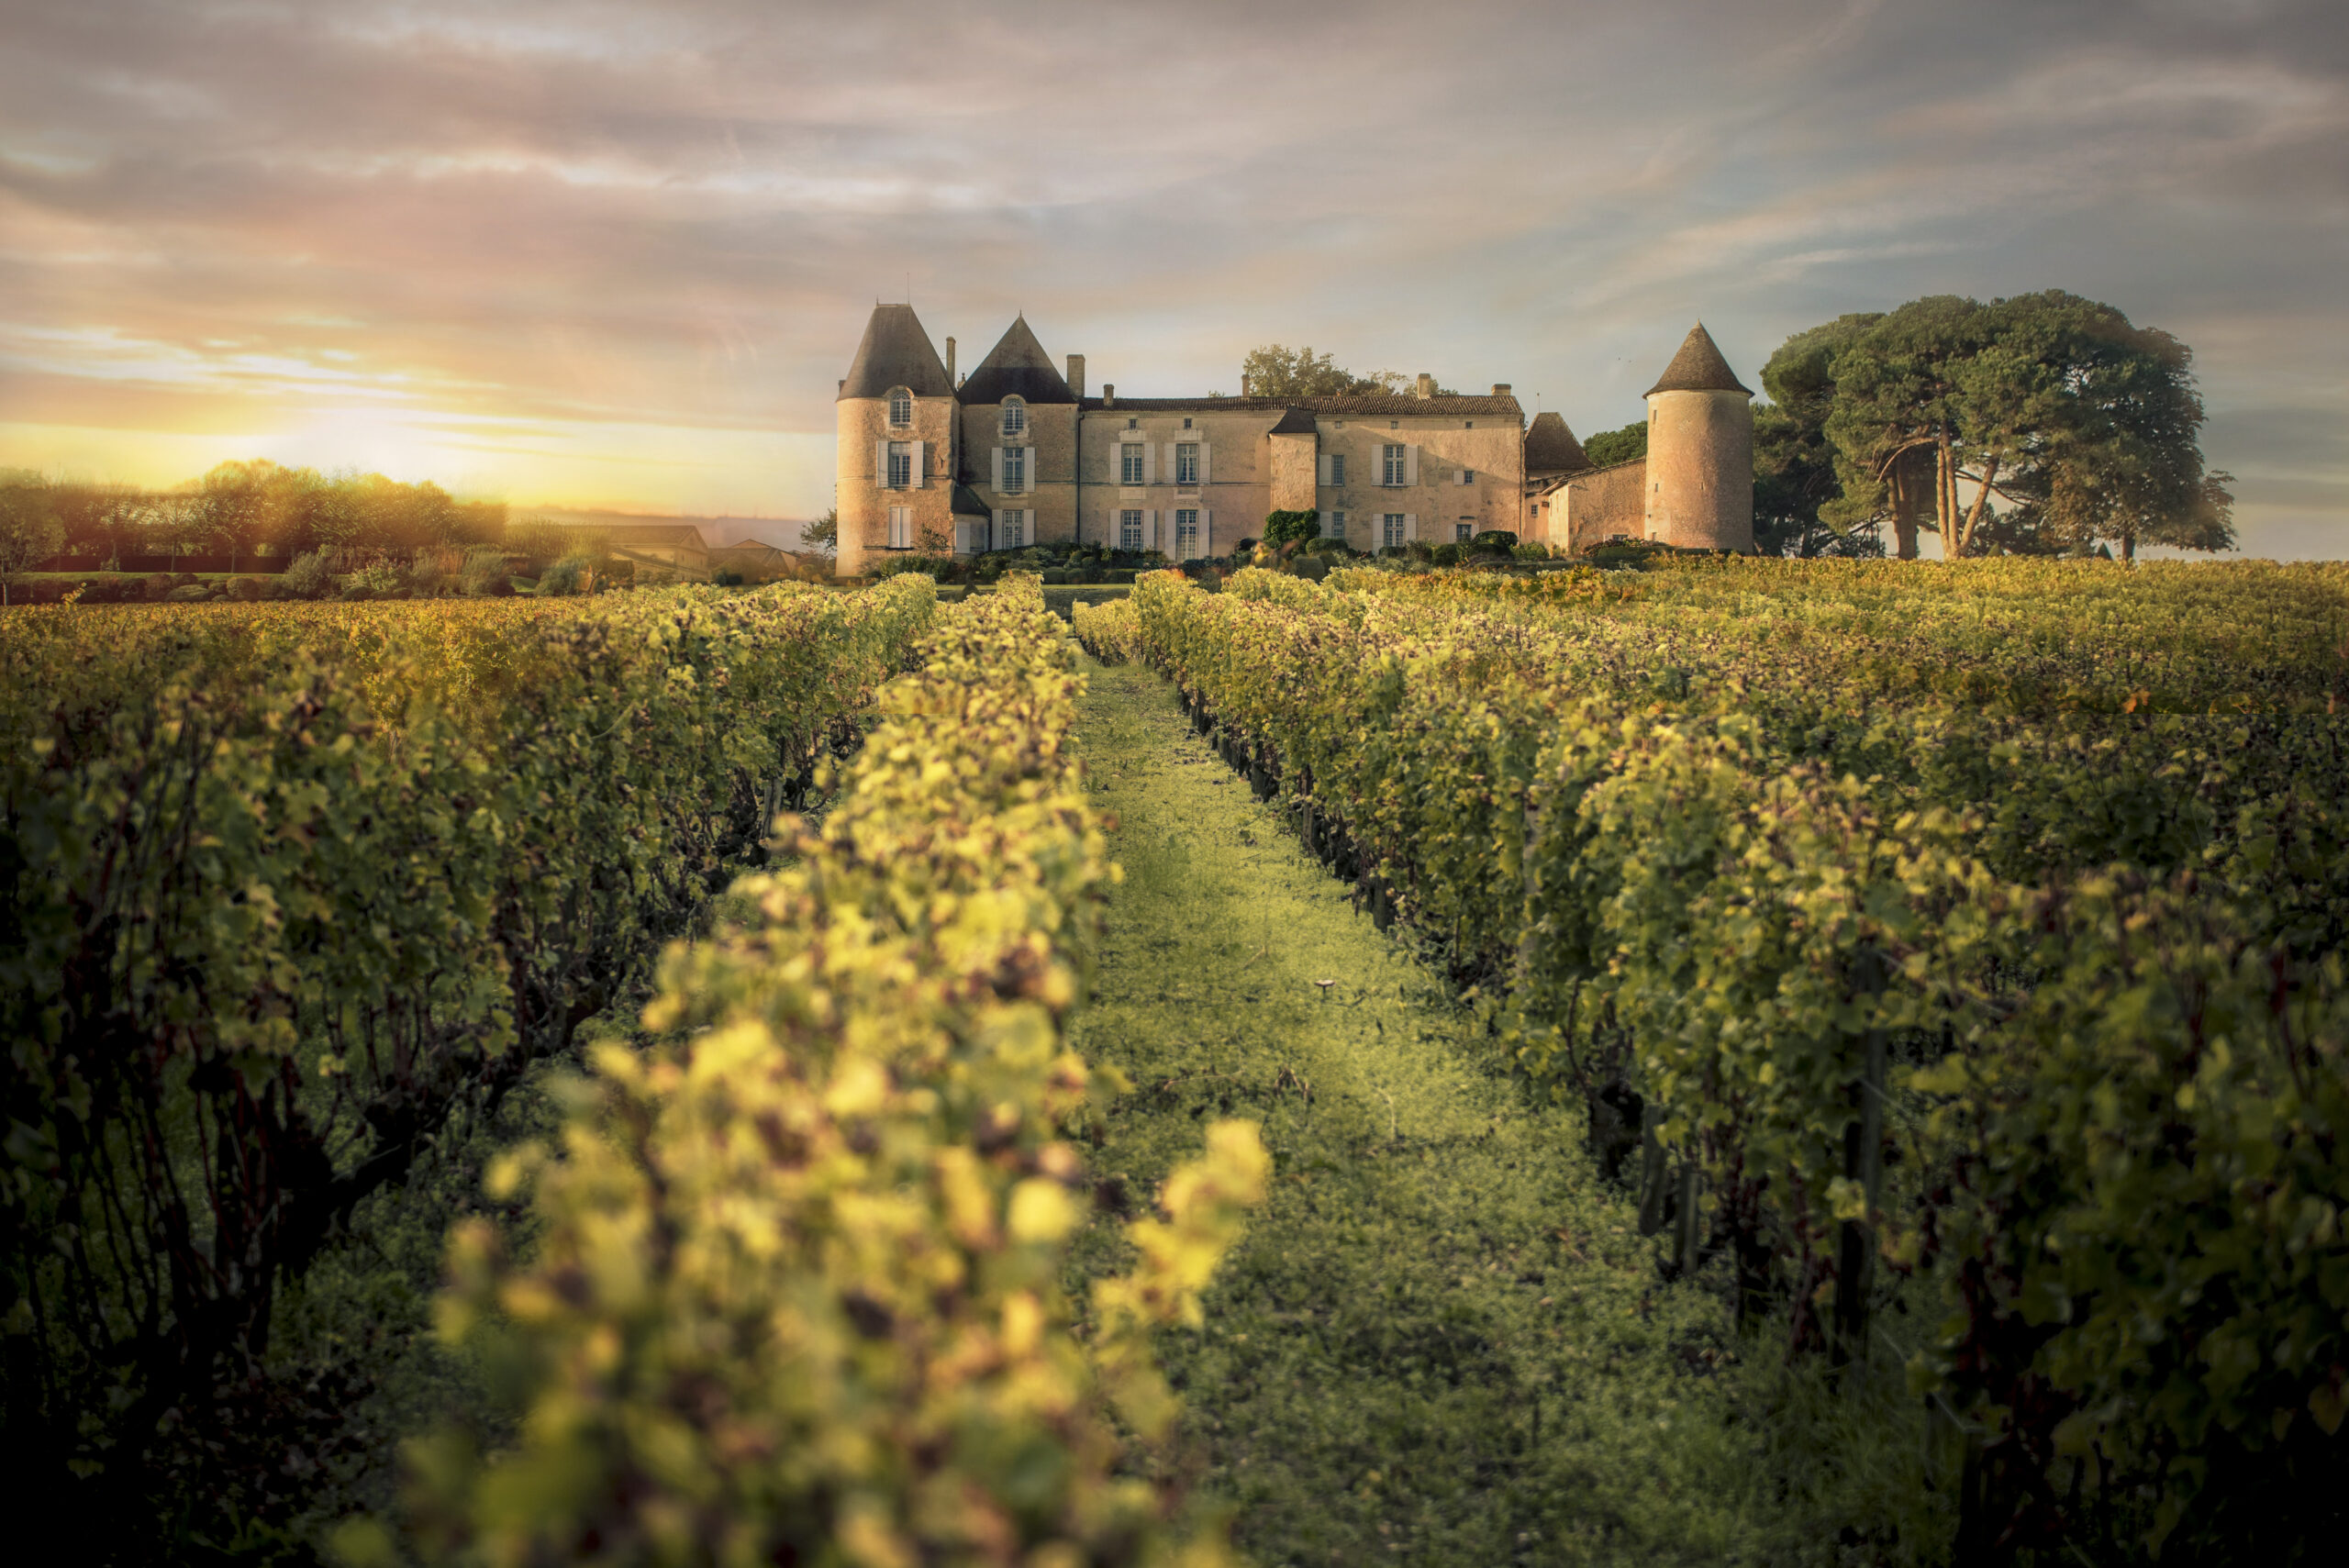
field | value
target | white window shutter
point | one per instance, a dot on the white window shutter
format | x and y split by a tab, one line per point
881	463
1321	470
921	455
1028	472
1149	530
994	528
1410	465
1410	526
995	456
1203	463
1149	463
1172	473
1206	532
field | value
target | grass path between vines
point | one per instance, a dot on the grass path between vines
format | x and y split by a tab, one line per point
1442	1340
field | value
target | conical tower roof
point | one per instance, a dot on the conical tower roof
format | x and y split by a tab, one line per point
1016	367
896	353
1698	367
1551	448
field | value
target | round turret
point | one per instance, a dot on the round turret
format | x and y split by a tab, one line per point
1701	452
895	480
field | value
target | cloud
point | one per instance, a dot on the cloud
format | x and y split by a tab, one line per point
405	225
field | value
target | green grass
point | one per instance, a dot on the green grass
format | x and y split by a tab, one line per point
1442	1341
1058	596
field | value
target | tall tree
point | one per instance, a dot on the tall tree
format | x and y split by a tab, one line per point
2088	426
1609	447
1276	371
29	529
1794	463
1895	420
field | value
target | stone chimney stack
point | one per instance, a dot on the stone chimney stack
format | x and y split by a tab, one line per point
1076	376
1108	394
1500	389
1427	384
949	361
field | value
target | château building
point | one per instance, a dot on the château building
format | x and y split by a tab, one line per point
1018	452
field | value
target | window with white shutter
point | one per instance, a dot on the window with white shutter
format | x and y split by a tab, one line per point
1129	456
1334	525
1014	471
1187	533
1187	464
1463	530
1390	460
1130	531
1014	534
1338	471
901	465
1391	530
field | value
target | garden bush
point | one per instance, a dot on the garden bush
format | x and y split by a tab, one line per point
309	576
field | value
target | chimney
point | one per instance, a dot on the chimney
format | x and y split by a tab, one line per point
1076	376
1427	384
1108	394
949	363
1500	389
843	385
1243	383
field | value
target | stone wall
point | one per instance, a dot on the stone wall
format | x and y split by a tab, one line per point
863	505
1595	507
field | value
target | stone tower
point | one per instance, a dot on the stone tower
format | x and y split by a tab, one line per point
1701	451
895	480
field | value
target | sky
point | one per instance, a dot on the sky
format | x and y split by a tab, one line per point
610	253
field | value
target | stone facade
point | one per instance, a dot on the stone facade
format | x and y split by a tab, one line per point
1591	507
1017	454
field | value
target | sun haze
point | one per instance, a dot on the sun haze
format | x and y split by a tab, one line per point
619	255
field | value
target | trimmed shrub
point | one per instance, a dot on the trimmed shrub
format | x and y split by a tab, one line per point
1280	528
309	577
484	577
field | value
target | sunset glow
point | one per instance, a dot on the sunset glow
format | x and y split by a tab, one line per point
619	254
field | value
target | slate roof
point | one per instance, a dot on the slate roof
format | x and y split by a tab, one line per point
1389	406
1294	422
1698	367
1551	448
896	353
967	504
1015	367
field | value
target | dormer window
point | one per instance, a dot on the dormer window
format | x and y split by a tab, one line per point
1015	417
901	409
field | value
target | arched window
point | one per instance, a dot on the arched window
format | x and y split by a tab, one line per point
1015	417
901	407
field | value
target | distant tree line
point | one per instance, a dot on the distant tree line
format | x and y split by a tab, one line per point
242	510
